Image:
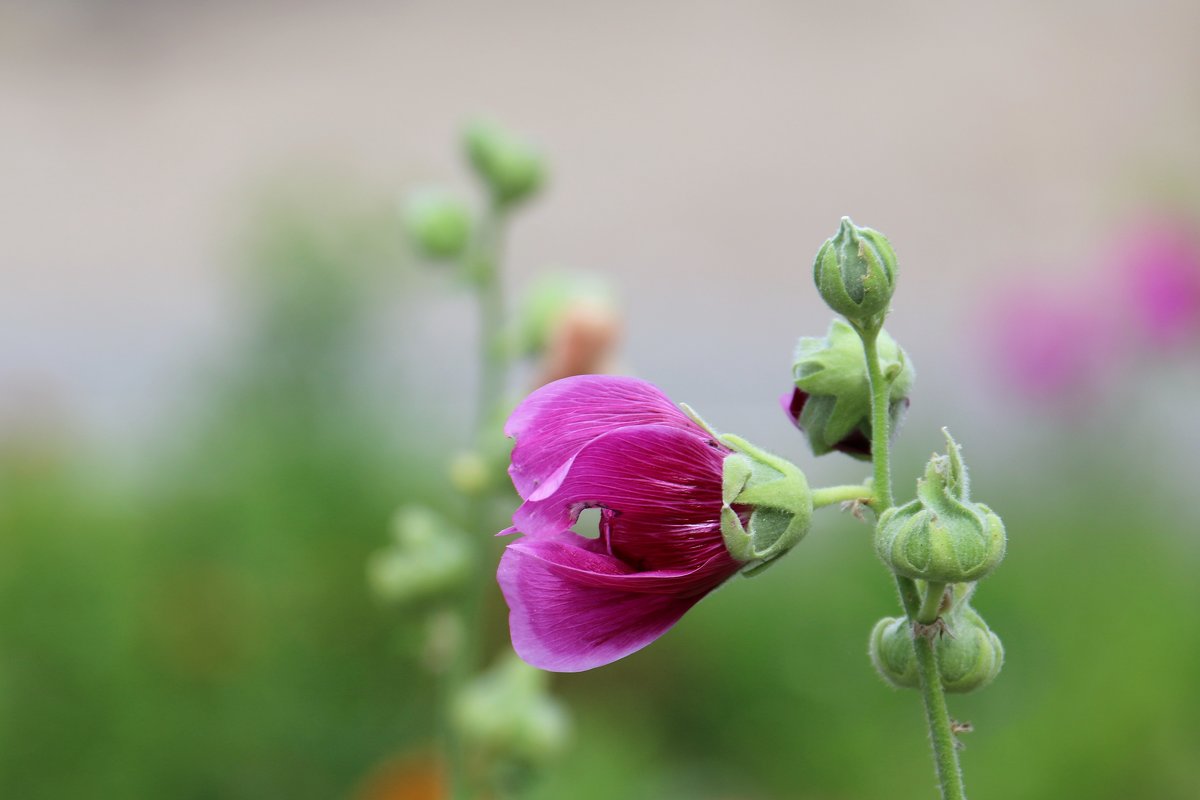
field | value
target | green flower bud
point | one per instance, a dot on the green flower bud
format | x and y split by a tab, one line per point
438	224
507	713
969	654
831	402
855	273
941	537
973	656
510	166
891	651
427	559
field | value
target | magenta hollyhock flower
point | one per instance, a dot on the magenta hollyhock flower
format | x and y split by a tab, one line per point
620	445
1159	263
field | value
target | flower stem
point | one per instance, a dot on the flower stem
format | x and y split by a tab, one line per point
842	494
945	751
933	603
881	440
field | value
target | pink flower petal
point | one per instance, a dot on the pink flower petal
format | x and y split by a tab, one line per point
556	421
661	488
573	608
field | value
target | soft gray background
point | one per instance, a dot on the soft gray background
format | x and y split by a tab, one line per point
700	153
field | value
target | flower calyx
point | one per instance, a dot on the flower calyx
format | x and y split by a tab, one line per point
766	503
941	536
831	401
855	273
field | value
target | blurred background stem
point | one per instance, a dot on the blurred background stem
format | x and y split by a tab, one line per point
484	265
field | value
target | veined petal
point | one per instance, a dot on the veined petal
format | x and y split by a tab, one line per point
556	421
573	607
661	491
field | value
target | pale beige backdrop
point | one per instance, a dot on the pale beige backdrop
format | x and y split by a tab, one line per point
700	152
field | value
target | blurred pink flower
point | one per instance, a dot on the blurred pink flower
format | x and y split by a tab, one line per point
621	445
1047	347
1159	269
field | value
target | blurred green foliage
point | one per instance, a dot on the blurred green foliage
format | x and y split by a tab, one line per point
207	632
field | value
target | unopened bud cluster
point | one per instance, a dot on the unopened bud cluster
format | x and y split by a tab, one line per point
969	655
942	541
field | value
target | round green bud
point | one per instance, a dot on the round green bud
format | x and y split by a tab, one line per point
427	559
969	655
891	651
941	537
855	272
509	166
971	658
831	403
438	224
508	713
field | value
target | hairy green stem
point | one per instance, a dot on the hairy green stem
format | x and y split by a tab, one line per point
881	443
841	494
933	603
945	751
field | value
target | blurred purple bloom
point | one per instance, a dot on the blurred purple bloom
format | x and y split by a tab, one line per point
1159	265
1045	347
620	445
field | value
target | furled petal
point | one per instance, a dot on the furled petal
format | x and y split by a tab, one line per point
793	403
553	423
573	608
661	487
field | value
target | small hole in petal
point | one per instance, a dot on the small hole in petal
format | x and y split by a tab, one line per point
588	524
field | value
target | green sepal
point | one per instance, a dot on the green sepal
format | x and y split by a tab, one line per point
779	501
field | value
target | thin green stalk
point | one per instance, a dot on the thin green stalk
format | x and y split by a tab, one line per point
841	494
945	751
